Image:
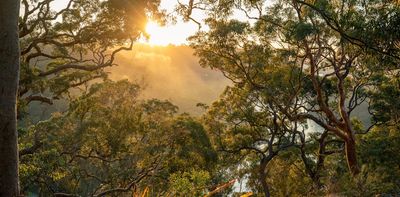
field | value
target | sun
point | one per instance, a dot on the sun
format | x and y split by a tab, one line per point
153	28
175	34
156	34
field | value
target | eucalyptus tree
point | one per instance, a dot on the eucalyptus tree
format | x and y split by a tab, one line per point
111	143
247	129
334	50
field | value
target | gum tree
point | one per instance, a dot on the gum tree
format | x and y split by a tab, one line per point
335	49
248	133
112	143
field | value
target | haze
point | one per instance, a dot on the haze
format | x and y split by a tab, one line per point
170	72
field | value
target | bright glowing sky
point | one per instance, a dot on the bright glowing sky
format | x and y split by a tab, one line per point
178	33
170	34
175	34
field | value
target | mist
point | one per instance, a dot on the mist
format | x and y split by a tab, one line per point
172	73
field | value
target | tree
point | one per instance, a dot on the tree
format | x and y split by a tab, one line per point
332	63
192	183
245	127
9	76
315	152
111	143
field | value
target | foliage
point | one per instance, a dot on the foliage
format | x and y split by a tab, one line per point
193	183
64	48
110	139
312	63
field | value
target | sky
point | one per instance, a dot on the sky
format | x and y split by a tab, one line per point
171	33
176	33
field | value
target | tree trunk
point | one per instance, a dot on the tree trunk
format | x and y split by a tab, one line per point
9	74
351	156
263	177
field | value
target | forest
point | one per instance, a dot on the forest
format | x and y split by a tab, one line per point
269	98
